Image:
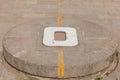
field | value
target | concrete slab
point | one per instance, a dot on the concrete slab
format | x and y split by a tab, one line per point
18	75
102	12
24	49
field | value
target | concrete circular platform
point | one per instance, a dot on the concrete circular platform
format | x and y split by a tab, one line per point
23	49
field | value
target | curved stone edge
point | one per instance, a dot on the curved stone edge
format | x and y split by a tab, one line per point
101	74
18	64
29	68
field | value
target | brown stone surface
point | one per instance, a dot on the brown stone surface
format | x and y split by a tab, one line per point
4	73
24	49
115	75
11	73
103	12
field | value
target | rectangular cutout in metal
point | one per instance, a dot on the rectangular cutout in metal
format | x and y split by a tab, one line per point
60	36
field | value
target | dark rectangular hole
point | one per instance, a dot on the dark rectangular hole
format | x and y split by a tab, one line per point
60	36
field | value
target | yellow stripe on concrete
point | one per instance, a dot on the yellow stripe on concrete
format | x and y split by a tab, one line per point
61	64
60	53
60	12
60	21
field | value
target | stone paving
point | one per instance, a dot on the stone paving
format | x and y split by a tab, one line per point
14	12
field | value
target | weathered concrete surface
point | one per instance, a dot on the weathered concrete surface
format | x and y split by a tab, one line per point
114	75
11	73
24	49
103	12
14	12
4	73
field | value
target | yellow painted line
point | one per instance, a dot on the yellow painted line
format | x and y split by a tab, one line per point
60	53
60	21
60	12
61	64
